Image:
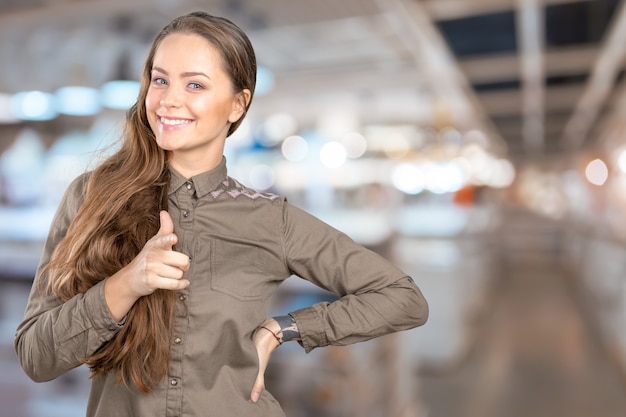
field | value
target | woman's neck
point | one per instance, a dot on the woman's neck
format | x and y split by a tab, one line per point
188	167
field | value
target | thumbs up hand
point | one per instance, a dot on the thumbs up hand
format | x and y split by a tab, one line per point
167	238
158	265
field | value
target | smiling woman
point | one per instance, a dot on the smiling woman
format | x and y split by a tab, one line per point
191	103
159	268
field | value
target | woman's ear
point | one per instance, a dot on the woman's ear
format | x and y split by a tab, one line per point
240	104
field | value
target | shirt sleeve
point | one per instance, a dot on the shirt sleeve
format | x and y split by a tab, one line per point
376	298
55	336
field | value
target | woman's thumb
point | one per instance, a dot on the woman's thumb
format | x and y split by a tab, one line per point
258	387
166	228
167	225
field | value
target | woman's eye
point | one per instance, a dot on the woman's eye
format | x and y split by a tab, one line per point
195	86
159	81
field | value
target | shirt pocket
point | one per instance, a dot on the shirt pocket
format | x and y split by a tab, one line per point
240	270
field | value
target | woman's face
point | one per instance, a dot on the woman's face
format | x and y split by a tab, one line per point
190	103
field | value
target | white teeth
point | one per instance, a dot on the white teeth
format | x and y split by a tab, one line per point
174	122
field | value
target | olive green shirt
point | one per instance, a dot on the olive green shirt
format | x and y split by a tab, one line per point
243	244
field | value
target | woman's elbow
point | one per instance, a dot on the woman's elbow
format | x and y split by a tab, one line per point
36	376
30	365
419	308
415	306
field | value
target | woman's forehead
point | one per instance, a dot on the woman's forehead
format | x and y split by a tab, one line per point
180	50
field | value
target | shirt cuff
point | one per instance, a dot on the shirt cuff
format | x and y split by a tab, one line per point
309	321
97	310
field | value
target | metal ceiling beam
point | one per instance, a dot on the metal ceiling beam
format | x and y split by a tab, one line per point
435	61
457	9
506	67
530	35
507	103
73	11
599	85
612	125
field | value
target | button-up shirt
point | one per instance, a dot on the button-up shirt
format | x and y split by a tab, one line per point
242	244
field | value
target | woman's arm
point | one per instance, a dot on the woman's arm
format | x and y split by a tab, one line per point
55	336
376	298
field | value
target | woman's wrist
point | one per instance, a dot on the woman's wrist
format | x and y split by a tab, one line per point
288	328
118	300
281	328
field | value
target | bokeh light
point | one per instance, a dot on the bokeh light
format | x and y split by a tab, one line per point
262	177
355	144
597	172
621	159
78	101
34	105
333	154
277	127
295	148
408	178
119	94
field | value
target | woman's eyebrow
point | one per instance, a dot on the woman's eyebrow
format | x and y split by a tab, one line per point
194	74
184	74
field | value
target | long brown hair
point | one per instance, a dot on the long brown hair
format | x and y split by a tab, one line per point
120	213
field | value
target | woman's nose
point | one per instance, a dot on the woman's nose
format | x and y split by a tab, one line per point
170	98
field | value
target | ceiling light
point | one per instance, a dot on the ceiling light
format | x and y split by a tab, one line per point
78	101
264	81
33	105
119	94
6	113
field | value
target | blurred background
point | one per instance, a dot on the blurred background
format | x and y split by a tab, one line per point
479	145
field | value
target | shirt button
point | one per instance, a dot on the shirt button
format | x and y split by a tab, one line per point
185	213
178	340
188	185
174	382
182	297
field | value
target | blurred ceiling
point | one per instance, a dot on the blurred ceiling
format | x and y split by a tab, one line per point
539	77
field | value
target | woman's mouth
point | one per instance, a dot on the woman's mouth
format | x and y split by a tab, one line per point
172	123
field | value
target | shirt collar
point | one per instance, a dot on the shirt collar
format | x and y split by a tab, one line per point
203	183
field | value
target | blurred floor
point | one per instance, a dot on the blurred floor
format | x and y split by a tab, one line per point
536	352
